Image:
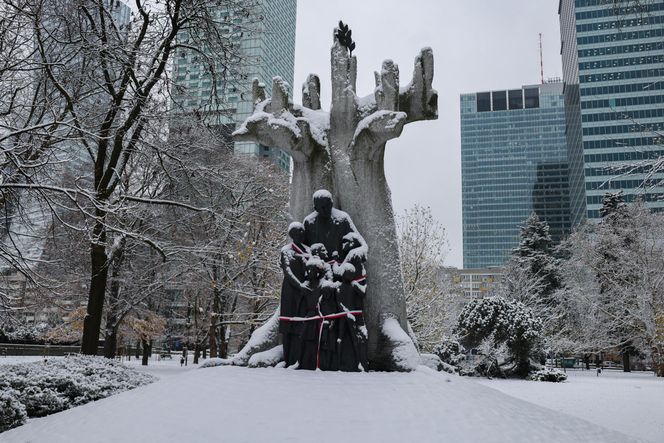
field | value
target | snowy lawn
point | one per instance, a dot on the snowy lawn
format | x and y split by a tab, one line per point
632	403
234	404
13	359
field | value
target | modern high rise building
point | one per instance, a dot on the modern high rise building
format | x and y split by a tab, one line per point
513	162
613	71
264	32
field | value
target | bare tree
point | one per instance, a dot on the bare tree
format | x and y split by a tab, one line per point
428	286
615	288
101	95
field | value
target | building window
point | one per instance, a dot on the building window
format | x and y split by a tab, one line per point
499	100
483	101
516	99
531	97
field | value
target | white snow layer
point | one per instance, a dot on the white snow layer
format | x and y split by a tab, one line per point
404	353
366	122
626	402
322	193
262	339
295	225
233	404
267	358
319	124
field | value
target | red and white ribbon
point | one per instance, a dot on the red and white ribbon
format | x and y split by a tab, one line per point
320	317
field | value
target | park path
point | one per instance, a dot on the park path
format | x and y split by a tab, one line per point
233	404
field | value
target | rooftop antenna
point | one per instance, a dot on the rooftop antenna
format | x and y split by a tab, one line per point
541	59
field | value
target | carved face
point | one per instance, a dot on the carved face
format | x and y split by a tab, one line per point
323	206
297	234
319	250
315	271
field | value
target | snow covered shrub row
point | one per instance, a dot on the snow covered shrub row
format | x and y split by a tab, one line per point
12	412
28	333
552	375
43	388
502	322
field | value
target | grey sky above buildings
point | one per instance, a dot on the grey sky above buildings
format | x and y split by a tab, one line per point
478	45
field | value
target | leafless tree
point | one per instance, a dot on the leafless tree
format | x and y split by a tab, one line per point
617	300
89	93
429	287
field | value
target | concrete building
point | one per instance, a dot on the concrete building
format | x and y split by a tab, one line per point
478	283
613	71
513	162
264	33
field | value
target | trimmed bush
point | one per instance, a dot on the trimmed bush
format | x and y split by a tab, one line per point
450	352
552	375
43	388
12	412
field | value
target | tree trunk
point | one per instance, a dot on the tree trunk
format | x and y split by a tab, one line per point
213	340
147	350
223	342
197	352
112	314
110	342
625	361
98	278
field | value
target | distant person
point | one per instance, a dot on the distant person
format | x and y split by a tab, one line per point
599	371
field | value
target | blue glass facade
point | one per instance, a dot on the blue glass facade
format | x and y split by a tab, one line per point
265	36
613	70
513	162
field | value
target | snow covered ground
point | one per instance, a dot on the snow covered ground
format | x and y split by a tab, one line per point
234	404
11	359
632	403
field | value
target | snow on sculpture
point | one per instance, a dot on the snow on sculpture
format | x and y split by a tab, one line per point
343	151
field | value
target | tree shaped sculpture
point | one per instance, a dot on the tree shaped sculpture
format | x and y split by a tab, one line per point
343	151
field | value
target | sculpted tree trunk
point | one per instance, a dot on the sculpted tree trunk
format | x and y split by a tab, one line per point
343	152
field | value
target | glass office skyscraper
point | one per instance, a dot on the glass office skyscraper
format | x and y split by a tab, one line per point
265	34
513	162
613	71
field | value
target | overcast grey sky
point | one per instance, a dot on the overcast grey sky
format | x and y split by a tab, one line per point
478	45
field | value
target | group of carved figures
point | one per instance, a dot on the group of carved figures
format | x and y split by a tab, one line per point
321	319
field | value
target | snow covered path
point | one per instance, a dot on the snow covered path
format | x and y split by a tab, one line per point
232	404
631	403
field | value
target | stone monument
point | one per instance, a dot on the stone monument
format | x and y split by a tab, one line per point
343	151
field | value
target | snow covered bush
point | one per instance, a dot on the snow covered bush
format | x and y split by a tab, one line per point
552	375
40	401
25	333
12	412
450	351
501	321
43	388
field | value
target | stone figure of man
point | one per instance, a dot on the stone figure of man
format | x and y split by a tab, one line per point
327	225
